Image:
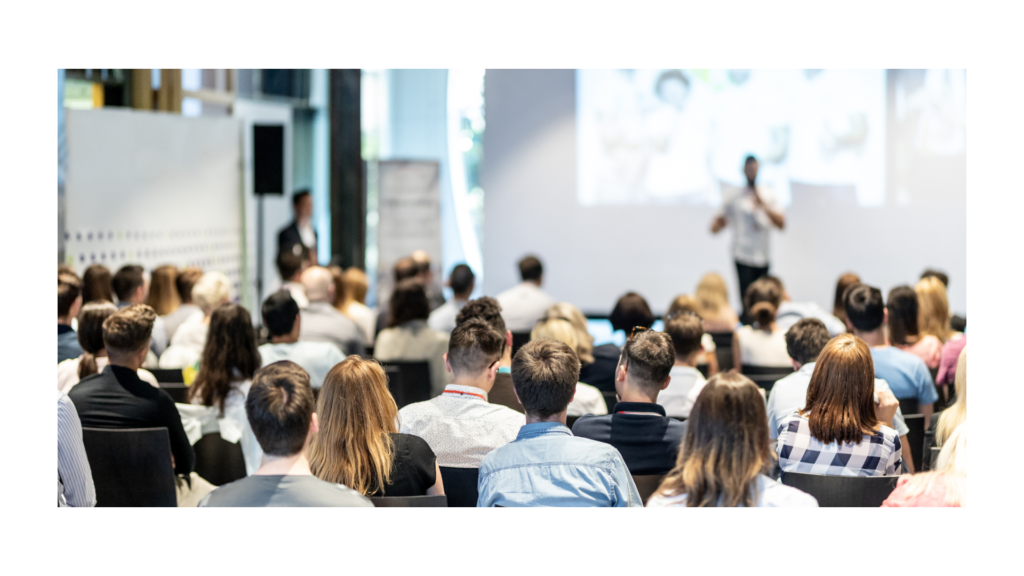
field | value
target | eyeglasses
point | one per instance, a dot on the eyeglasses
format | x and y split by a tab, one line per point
678	313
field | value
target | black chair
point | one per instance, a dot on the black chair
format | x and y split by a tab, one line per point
909	406
609	400
131	467
518	340
915	436
934	453
172	382
765	376
439	501
219	461
460	486
646	485
843	491
723	349
703	369
408	382
570	420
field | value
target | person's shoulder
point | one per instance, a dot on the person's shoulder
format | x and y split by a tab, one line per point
590	425
597	451
338	495
64	404
414	444
661	500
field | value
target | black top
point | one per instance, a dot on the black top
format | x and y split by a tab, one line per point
601	374
414	469
285	491
648	442
503	393
116	398
290	236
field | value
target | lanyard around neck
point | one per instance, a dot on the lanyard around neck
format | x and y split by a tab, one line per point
480	396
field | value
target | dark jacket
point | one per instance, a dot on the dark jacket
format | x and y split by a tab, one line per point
290	236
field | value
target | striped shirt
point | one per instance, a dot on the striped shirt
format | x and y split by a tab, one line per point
74	478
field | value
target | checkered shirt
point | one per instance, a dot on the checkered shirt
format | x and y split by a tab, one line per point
877	454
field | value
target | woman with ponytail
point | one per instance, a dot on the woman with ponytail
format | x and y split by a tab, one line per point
94	357
761	343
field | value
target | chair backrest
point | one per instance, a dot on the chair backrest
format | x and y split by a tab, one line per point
408	382
439	501
647	484
219	461
518	340
843	491
909	406
765	376
915	436
460	486
570	420
131	467
934	453
723	349
609	400
703	369
172	381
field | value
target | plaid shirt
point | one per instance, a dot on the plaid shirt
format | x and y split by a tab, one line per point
877	454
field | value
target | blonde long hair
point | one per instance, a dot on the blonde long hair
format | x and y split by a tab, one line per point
357	417
957	413
951	467
584	341
711	295
933	308
356	285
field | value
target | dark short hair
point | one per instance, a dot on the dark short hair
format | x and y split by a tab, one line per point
462	279
409	302
865	308
280	407
686	331
128	330
184	282
279	312
750	158
127	280
938	274
298	196
288	263
69	288
406	267
630	311
806	339
530	268
544	374
649	359
486	309
474	346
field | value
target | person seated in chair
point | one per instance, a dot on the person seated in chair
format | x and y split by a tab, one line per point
132	287
488	310
546	465
69	302
283	322
525	302
687	333
321	321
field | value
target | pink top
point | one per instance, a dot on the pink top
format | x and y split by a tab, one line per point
950	357
934	498
928	349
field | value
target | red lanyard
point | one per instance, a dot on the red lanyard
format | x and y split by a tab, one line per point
465	394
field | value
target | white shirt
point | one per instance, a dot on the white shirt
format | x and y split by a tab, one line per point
308	235
750	225
588	400
522	305
443	318
67	373
365	318
790	313
188	342
316	358
760	348
460	426
298	292
233	426
682	391
770	494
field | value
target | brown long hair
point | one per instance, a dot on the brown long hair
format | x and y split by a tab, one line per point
357	417
839	306
725	447
163	295
90	334
229	355
840	398
97	284
763	298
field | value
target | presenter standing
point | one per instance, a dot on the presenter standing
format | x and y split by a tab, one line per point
301	230
752	211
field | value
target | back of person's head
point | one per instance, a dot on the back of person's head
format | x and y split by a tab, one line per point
97	284
127	280
531	269
340	290
289	264
584	341
933	308
686	330
648	358
777	281
544	374
422	260
127	331
163	296
902	306
462	280
957	413
318	283
356	285
69	288
279	312
865	309
937	274
408	302
762	301
357	416
474	346
839	304
556	328
229	355
185	281
840	397
90	334
683	303
631	311
484	308
711	295
212	290
806	339
280	408
725	446
406	267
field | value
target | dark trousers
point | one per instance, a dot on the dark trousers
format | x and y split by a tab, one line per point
747	275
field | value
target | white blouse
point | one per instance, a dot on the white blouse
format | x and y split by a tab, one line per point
233	426
761	348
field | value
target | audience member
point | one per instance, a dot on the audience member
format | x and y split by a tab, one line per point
906	374
183	283
425	274
941	425
947	365
587	399
638	428
280	409
713	305
460	426
523	304
163	296
212	290
903	329
630	311
358	443
94	356
845	281
283	323
404	268
117	398
69	302
546	465
487	309
763	343
132	287
946	486
708	357
97	284
290	266
842	431
321	322
462	282
409	339
353	303
686	330
725	459
597	364
74	476
957	323
790	312
933	309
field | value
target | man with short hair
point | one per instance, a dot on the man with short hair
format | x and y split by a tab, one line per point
488	310
321	321
906	374
69	302
638	428
546	465
132	287
804	341
462	281
290	266
299	237
117	398
283	323
280	408
460	426
525	303
686	330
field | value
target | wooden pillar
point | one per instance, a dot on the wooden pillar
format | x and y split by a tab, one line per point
348	189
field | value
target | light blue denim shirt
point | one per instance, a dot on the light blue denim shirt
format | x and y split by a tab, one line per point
547	466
